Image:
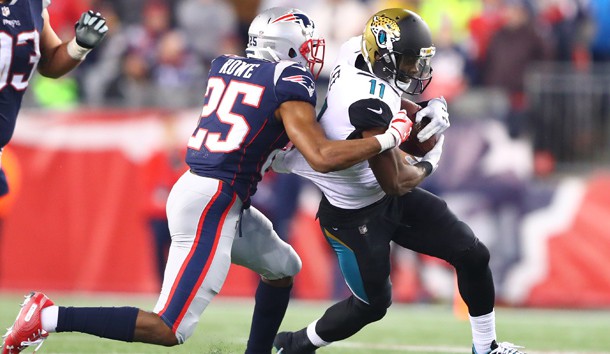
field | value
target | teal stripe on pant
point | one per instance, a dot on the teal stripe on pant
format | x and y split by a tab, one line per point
349	266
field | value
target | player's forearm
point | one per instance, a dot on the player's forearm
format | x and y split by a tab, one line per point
57	62
394	176
342	154
409	177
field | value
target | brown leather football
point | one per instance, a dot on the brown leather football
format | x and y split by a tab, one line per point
412	145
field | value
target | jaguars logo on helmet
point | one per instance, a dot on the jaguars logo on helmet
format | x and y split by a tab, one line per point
397	47
385	30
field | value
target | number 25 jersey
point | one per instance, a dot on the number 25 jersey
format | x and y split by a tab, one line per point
238	130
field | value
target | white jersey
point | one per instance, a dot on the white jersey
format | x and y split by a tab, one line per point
356	101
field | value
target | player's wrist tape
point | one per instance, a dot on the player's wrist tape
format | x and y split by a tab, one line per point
427	166
386	140
75	51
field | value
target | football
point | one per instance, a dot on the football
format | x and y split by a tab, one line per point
412	145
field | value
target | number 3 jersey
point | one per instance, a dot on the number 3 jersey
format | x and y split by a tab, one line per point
238	130
20	28
356	101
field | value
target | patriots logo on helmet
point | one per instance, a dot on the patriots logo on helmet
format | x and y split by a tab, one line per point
295	17
304	81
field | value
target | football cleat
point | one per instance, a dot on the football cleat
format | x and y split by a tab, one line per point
293	343
27	329
502	348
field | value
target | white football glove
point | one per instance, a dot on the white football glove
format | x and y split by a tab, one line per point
437	111
397	132
276	162
433	156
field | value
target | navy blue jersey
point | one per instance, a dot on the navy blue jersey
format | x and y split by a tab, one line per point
20	27
237	130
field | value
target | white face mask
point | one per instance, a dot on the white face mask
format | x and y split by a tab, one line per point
403	86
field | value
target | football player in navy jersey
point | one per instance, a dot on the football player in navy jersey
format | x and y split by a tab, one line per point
374	203
28	42
253	106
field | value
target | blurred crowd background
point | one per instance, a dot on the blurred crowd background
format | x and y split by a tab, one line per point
527	81
158	52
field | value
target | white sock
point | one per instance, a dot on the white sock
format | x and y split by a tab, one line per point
314	338
483	332
48	318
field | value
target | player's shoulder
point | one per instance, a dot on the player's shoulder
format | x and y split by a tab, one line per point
285	68
370	113
293	77
349	51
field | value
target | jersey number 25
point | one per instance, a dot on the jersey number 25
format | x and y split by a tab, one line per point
221	100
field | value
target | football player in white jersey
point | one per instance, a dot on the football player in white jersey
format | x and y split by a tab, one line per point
253	105
366	206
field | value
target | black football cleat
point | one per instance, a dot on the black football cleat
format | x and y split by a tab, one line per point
293	343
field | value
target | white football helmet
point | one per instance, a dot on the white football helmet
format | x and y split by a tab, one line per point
286	34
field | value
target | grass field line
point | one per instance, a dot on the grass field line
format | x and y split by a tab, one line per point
433	349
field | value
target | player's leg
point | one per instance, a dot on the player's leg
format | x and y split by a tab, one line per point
363	255
258	247
431	228
202	215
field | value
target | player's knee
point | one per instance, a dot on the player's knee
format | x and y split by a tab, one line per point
294	263
170	342
291	264
150	328
476	257
166	337
371	312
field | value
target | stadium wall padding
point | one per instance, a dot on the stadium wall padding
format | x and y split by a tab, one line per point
78	221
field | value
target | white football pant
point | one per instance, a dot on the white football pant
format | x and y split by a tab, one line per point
204	222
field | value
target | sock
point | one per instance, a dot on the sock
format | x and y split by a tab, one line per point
48	318
483	332
269	309
314	338
117	323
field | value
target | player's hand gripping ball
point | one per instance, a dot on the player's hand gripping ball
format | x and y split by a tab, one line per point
412	145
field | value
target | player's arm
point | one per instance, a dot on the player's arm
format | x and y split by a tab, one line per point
58	58
394	175
324	155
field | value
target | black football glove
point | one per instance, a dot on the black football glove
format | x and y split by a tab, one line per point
90	29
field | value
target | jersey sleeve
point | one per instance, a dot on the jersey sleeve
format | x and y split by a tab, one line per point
294	83
370	113
46	3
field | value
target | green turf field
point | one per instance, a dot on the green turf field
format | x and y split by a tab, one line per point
423	329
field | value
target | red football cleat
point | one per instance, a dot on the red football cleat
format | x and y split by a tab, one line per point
27	329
